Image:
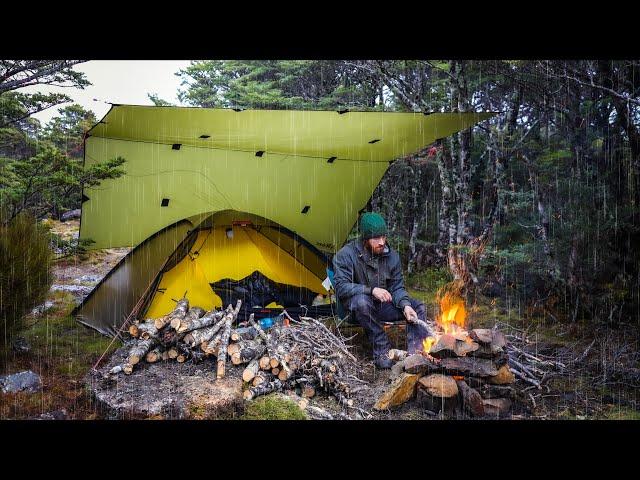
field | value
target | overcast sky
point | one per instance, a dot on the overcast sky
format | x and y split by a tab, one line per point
118	81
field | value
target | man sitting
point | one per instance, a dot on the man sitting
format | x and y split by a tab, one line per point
368	282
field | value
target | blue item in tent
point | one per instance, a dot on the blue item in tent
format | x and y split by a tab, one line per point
339	309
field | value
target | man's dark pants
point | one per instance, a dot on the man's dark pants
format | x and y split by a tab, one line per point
369	312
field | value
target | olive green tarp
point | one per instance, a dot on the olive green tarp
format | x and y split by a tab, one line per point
310	172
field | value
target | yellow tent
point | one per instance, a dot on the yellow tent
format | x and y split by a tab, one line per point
299	177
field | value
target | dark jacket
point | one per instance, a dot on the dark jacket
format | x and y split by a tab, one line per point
356	271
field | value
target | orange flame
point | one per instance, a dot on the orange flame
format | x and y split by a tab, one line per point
452	318
427	343
453	313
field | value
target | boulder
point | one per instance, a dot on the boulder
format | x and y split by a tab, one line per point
26	381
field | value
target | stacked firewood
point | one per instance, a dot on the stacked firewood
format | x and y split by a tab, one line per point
183	334
465	372
304	357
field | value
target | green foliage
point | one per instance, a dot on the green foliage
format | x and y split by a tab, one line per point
51	181
272	407
66	131
159	102
275	84
25	277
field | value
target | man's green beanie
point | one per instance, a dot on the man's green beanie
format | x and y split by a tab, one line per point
372	225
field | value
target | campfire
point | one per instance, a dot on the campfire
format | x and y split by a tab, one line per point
459	370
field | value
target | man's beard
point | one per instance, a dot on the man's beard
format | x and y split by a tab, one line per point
374	250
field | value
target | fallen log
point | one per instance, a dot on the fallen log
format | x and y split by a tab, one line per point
153	356
397	355
471	399
469	366
497	407
208	319
504	376
308	391
419	364
147	330
250	372
438	393
401	390
140	350
498	391
179	312
261	377
224	340
263	389
193	314
197	337
248	351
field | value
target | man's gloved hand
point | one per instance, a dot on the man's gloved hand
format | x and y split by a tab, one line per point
410	314
381	294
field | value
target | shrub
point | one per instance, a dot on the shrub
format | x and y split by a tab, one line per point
25	277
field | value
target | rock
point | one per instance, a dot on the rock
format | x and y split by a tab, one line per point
26	381
76	289
20	345
497	407
504	376
42	308
55	415
401	390
70	215
90	278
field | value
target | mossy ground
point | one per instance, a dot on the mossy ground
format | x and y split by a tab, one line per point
62	352
272	407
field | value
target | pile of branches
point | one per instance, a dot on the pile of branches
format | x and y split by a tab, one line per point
304	356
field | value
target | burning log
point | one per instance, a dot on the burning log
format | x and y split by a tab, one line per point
401	390
450	346
438	393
